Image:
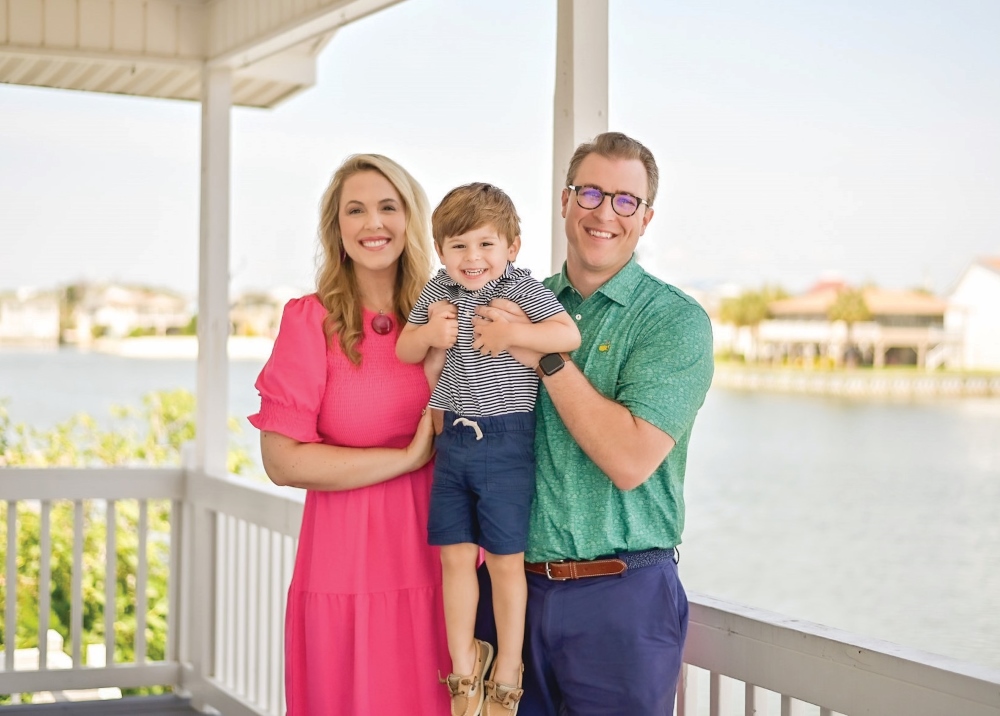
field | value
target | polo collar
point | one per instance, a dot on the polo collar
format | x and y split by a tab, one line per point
509	272
619	288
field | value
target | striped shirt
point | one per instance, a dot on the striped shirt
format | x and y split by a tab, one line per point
477	385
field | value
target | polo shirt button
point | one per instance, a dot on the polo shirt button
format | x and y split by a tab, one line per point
578	317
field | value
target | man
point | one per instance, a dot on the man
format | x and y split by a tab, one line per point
607	615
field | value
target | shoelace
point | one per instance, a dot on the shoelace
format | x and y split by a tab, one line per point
456	682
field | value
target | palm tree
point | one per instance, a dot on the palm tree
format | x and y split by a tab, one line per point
850	307
749	309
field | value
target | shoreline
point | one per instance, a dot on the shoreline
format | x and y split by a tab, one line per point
256	348
857	383
181	347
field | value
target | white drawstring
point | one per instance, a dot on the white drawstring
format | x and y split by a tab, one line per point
471	424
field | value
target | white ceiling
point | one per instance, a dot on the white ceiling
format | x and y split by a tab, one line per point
158	48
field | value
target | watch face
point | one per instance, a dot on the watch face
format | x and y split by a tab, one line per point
550	363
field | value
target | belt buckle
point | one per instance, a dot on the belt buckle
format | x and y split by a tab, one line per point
548	572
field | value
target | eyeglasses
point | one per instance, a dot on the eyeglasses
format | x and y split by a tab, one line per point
591	197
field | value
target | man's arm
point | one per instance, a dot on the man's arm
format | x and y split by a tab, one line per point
627	449
557	334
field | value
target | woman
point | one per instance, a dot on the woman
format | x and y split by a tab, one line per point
343	418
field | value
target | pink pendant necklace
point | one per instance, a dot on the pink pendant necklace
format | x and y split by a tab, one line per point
381	324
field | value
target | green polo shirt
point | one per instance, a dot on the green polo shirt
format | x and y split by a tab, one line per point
648	346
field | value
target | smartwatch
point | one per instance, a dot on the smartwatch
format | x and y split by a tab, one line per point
551	363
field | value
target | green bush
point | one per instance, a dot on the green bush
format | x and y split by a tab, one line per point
151	435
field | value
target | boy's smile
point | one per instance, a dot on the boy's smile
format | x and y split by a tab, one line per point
479	256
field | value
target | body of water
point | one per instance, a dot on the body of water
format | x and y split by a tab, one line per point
882	518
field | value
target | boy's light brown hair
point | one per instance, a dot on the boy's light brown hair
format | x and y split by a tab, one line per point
472	206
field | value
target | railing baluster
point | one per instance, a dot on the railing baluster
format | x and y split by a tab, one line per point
749	700
110	582
791	706
44	583
714	691
10	613
687	692
173	581
141	570
253	615
263	616
220	597
76	607
276	626
230	601
240	604
287	563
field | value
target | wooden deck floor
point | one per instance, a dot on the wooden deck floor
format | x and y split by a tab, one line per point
138	705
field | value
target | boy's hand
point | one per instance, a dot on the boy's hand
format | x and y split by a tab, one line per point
441	328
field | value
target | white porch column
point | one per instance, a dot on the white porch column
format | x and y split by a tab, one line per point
581	96
213	273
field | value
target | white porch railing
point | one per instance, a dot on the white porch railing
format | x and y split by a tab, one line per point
746	661
231	549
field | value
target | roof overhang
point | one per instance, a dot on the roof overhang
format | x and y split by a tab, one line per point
158	48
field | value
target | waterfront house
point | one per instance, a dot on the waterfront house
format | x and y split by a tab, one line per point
258	313
903	327
974	313
117	311
231	541
29	318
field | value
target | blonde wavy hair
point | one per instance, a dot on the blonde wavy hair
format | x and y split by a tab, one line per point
336	282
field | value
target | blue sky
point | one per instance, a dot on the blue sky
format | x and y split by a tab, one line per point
794	139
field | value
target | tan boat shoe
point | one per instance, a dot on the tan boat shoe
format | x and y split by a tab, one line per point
469	692
502	699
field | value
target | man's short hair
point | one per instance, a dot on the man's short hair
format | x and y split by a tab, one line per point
615	145
472	206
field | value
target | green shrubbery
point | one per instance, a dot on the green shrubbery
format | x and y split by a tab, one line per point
151	435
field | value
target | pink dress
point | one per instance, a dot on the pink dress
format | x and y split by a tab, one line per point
364	626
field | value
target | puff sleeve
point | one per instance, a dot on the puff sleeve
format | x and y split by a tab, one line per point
293	381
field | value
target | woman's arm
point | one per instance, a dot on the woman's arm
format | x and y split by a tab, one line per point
314	466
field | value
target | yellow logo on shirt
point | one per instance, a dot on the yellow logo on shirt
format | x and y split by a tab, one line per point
604	347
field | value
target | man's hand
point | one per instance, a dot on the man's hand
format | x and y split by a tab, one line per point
500	312
441	330
492	337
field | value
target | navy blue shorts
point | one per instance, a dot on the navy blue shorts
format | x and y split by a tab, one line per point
599	645
484	482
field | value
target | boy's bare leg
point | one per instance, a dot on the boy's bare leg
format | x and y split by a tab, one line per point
460	587
510	599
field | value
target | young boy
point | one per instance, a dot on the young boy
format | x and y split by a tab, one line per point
484	474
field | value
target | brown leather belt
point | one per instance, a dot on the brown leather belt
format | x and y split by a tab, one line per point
565	569
561	571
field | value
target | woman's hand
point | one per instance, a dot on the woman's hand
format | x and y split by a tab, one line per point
421	448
